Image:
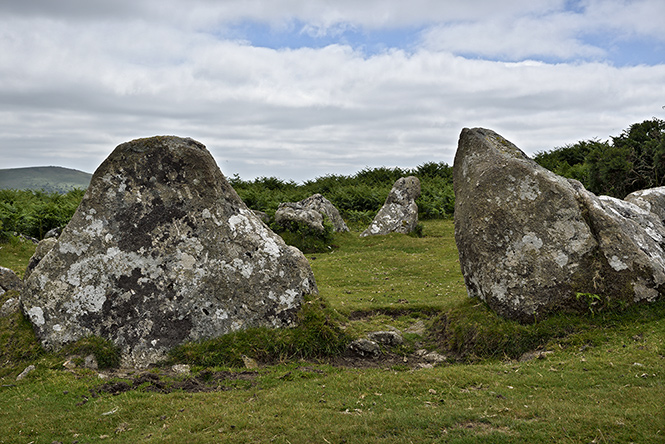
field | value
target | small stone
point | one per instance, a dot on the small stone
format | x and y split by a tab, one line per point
25	372
90	362
364	348
10	306
389	338
249	362
181	369
434	357
9	280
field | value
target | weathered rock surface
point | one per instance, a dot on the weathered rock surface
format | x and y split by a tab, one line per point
161	251
530	241
652	200
311	211
294	212
43	247
399	213
364	348
9	280
390	338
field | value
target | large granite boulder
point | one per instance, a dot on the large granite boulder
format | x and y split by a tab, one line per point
399	213
311	211
162	251
532	243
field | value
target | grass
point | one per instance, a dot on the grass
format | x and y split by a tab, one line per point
599	379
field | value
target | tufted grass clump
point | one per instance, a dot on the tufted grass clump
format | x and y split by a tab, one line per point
18	343
105	352
317	335
473	332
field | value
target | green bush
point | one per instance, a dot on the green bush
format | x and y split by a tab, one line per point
306	238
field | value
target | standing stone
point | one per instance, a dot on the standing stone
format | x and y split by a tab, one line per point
532	243
399	213
311	212
161	251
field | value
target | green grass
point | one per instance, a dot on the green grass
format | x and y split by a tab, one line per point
601	380
15	254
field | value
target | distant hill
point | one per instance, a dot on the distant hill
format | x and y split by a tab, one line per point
51	179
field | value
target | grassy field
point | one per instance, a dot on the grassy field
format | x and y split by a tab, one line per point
596	379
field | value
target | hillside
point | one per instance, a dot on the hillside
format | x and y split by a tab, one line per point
50	179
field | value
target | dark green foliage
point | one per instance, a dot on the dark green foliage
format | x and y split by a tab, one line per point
306	238
359	197
632	161
317	336
34	213
105	352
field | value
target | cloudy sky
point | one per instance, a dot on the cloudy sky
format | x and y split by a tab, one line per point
298	89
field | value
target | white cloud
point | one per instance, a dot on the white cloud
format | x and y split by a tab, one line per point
73	85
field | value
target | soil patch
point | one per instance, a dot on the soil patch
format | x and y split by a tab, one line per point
206	381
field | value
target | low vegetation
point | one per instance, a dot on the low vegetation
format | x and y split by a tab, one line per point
595	377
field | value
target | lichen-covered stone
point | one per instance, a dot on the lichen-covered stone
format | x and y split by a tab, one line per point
9	280
652	200
43	247
161	251
399	213
294	212
311	212
530	242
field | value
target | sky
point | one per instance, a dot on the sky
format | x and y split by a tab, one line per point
299	89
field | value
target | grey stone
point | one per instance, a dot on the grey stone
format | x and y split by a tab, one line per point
294	212
9	281
652	200
29	369
162	251
389	338
530	241
364	348
55	232
90	362
399	213
42	250
323	206
181	369
311	211
9	307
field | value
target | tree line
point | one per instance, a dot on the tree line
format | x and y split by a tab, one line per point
634	160
358	198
